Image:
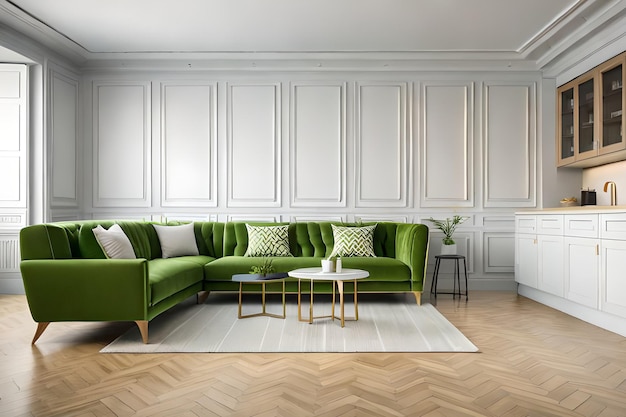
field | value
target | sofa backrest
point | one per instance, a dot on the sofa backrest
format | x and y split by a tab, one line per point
142	237
309	238
65	240
49	241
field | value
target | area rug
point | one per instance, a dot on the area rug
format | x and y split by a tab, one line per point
387	323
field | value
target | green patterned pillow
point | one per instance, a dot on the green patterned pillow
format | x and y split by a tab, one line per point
353	241
268	241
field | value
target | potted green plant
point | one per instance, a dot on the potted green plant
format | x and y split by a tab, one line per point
264	269
447	227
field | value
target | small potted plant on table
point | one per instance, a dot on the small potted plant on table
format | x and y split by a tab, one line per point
448	227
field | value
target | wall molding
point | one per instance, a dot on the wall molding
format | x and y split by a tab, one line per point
384	166
14	135
492	242
498	138
318	144
450	181
190	144
119	134
63	120
246	149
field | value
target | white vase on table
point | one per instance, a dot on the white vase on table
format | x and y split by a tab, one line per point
448	249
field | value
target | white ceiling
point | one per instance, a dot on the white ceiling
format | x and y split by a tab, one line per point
523	29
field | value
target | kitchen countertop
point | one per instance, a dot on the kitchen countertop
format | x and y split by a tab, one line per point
575	210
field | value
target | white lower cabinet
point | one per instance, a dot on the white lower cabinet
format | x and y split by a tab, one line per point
613	277
550	264
539	256
575	263
582	270
526	255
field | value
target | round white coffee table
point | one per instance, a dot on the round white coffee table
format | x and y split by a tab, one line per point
337	279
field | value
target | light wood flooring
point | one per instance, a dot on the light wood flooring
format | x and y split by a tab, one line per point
534	361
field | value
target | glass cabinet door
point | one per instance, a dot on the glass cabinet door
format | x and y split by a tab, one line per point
586	137
612	103
566	122
591	123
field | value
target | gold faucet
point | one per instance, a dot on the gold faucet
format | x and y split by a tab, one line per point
613	191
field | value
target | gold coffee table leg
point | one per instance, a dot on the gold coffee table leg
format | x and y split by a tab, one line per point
239	307
340	289
332	306
299	300
310	319
284	308
311	303
356	303
263	303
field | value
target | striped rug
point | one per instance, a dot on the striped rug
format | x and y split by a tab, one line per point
387	323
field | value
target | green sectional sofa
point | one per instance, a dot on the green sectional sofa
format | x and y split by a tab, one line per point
68	277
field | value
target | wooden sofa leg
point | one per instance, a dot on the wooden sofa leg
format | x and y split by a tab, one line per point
418	297
202	296
41	327
143	329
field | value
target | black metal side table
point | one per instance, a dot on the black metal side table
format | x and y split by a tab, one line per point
456	279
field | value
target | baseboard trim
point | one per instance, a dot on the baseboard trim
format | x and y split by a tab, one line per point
598	318
11	284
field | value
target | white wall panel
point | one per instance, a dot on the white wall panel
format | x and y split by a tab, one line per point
10	168
122	150
317	218
10	126
63	140
10	80
13	136
502	222
509	144
318	145
254	139
188	145
264	218
382	218
447	144
498	252
381	171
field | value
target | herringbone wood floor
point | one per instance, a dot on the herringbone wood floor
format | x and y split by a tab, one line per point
534	361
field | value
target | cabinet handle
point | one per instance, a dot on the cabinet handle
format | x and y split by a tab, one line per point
597	249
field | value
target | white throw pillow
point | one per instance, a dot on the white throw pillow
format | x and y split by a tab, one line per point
177	240
114	242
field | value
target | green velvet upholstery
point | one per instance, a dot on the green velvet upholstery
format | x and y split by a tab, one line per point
68	278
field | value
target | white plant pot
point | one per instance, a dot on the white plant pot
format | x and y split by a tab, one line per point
448	249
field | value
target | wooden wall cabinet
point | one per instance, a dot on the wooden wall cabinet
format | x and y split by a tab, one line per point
590	117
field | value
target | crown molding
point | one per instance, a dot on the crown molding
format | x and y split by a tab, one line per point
15	18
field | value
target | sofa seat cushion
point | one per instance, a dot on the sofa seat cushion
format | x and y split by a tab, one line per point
197	259
169	276
380	268
222	269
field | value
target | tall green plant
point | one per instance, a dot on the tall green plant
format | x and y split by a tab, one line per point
448	226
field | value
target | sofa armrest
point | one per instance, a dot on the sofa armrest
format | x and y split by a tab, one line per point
86	289
412	248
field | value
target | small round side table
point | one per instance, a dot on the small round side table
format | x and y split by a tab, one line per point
456	279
